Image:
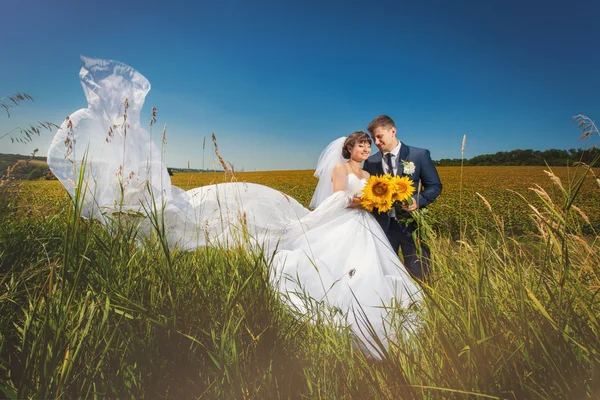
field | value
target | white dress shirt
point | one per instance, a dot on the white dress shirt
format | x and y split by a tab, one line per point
395	151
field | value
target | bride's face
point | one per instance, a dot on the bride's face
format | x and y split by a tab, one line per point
360	151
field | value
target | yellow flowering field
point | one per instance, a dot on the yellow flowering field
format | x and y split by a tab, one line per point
298	184
499	186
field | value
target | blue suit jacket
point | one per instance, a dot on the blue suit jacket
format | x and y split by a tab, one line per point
425	174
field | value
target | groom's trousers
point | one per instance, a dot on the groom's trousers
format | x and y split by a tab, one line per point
400	237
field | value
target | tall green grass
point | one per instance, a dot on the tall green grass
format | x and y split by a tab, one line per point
85	313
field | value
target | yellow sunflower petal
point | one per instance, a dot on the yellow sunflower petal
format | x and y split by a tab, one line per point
377	193
404	189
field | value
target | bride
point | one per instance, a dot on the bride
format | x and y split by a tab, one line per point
334	259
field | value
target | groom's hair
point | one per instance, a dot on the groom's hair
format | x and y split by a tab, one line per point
382	120
355	137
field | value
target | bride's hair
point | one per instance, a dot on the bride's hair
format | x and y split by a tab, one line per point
355	137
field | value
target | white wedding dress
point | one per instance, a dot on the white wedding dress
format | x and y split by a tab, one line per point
333	261
343	259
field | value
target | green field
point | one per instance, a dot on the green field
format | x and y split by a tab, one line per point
512	310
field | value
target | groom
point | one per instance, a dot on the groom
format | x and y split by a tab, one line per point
389	160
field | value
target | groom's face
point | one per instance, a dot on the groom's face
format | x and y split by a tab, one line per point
385	138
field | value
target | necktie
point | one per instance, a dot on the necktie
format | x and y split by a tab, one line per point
388	156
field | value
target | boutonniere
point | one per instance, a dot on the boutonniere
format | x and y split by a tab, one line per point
409	167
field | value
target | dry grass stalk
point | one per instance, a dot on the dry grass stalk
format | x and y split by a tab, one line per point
596	179
28	132
14	169
580	211
110	133
70	139
555	179
497	219
15	98
543	194
229	172
153	116
125	117
487	203
590	126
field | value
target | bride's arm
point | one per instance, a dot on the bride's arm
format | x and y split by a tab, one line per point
339	178
339	184
356	200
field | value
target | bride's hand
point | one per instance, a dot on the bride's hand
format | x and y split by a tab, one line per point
355	202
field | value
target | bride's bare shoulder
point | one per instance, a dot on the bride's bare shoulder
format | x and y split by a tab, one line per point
339	173
340	167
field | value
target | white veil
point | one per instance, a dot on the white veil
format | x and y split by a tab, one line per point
108	146
328	159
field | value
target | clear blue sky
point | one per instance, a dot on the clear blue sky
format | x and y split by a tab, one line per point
277	80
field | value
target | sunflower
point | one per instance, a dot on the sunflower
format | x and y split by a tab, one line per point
403	189
377	193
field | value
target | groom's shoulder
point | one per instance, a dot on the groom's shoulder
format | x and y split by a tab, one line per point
374	157
416	150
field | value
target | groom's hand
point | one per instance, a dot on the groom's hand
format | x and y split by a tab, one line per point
410	207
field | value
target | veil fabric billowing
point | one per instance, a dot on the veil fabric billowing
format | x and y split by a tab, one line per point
106	146
105	149
329	158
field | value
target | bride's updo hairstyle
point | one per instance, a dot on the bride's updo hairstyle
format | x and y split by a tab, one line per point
355	137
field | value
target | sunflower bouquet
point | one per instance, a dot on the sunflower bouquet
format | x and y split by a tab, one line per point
386	192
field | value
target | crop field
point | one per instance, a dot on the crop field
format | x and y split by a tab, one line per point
502	187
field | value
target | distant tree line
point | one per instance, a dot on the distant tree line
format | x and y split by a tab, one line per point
553	157
24	168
